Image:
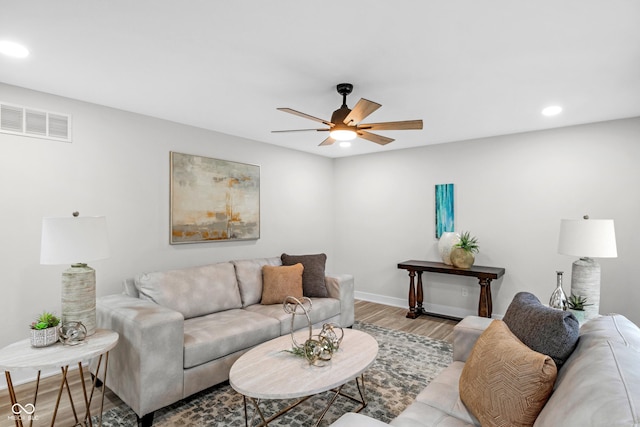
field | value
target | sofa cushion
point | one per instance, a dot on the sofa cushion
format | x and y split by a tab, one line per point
281	282
601	379
504	382
249	276
219	334
546	330
192	291
313	276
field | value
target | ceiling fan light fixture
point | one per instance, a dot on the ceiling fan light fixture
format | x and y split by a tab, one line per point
343	135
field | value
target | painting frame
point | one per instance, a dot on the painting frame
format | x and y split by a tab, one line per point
213	200
445	213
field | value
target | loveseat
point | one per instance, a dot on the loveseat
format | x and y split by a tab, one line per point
597	385
181	330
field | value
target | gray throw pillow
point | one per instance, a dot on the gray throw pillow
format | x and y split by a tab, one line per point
543	329
313	275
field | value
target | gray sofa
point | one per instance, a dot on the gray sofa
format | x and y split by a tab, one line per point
598	385
181	330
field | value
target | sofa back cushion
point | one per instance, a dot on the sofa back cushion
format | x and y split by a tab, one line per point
249	276
544	329
313	284
599	385
193	291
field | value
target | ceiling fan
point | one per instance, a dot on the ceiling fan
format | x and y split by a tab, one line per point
345	123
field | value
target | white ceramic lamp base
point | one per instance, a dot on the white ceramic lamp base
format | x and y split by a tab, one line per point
79	296
585	282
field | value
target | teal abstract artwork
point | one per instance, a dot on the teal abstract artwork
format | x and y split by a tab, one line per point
444	209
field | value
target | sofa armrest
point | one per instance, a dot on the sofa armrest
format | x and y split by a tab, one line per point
465	335
146	367
341	286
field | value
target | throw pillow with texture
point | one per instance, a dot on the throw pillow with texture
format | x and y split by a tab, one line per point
504	382
279	282
544	329
313	277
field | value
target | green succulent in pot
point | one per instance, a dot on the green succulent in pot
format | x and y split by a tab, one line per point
45	320
462	252
577	302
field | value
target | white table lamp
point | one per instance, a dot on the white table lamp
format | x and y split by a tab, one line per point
76	240
587	239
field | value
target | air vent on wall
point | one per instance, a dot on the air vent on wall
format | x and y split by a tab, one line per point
27	121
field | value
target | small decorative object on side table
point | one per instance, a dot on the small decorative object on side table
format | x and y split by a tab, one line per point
558	298
44	331
576	305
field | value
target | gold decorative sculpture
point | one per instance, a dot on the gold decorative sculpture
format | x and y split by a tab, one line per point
317	349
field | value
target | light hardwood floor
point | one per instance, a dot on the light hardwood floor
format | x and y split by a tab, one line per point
378	314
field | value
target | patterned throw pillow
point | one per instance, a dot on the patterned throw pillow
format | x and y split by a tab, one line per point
504	382
546	330
313	277
279	282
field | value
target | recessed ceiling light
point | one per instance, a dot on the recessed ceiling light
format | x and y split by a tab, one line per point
345	144
12	49
552	110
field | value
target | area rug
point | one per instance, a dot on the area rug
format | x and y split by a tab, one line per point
406	363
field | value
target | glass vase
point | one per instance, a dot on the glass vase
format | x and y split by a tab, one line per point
558	298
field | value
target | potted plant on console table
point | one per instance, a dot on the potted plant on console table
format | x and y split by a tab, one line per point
462	252
576	304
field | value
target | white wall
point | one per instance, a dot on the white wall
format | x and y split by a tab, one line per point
511	192
118	166
367	212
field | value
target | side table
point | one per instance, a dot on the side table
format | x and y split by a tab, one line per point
21	355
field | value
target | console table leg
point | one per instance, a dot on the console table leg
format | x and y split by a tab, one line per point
412	296
420	309
485	305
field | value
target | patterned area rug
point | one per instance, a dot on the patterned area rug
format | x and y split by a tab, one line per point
406	363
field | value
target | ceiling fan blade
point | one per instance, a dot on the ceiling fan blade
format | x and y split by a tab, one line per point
327	141
363	108
378	139
306	116
298	130
402	125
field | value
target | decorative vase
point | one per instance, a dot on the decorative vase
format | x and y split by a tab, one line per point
445	244
461	258
558	298
44	337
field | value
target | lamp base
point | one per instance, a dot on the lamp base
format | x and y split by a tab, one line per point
585	282
79	296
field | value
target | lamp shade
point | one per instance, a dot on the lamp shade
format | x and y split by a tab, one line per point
591	238
73	240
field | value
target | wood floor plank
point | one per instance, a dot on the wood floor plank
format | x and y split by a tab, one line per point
365	311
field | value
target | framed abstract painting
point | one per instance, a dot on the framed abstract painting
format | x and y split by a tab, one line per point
213	200
444	209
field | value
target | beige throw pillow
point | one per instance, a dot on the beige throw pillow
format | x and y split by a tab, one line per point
504	382
278	282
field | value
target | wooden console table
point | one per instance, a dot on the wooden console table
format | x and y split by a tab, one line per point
484	274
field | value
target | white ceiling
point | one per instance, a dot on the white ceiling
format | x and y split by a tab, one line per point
467	68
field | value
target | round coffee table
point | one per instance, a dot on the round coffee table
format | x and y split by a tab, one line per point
269	372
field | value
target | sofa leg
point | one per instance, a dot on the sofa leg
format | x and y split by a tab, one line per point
146	420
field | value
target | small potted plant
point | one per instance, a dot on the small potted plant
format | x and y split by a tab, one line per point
462	252
44	330
576	304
